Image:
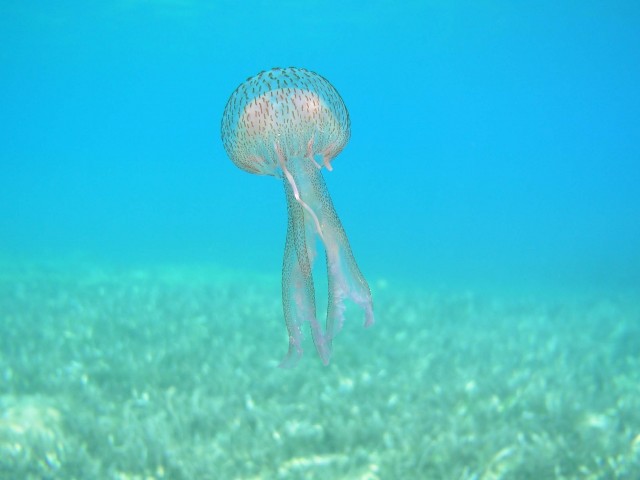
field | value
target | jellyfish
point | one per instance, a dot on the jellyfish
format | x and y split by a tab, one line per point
289	123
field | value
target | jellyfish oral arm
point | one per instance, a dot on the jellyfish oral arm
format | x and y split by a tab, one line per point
296	192
311	213
298	292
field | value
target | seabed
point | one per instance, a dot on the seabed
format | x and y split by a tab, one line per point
172	373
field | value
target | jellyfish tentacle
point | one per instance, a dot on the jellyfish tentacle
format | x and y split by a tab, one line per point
310	152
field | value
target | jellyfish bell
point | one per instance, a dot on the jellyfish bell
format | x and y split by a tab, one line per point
288	123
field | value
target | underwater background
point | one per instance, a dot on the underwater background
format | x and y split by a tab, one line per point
490	193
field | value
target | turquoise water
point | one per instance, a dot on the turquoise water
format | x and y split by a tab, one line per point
489	193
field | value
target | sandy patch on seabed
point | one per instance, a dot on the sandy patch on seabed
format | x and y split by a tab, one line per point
171	373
